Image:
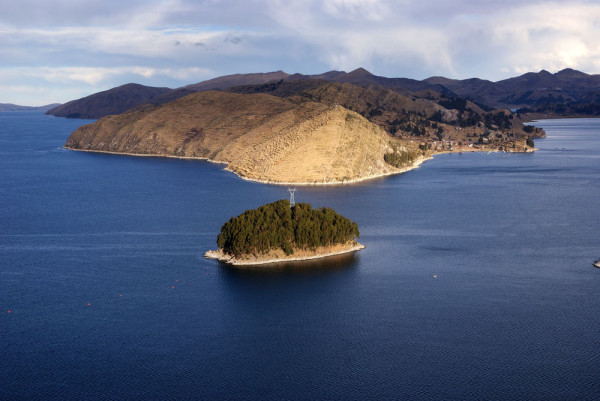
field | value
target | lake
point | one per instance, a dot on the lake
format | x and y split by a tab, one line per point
477	280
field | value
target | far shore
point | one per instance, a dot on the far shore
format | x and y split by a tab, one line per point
279	257
536	117
396	171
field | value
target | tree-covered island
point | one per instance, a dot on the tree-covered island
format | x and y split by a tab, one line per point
280	232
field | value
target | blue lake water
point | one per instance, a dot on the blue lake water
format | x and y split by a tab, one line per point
102	270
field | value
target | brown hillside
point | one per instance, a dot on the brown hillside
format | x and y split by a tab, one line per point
260	137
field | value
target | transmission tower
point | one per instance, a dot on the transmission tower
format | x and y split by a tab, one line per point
292	201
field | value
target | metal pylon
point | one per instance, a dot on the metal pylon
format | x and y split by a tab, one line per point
292	201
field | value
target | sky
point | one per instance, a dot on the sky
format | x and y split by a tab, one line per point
60	50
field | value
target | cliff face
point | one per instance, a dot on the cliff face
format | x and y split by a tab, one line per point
260	137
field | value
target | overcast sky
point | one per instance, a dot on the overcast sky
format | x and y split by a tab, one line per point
60	50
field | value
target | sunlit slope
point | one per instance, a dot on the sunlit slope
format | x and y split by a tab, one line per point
260	137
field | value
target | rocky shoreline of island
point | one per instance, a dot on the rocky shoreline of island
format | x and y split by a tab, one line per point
278	256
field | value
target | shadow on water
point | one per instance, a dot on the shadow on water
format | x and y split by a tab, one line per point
321	267
287	285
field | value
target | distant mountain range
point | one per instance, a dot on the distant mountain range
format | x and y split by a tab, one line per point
537	92
302	129
15	107
531	89
275	127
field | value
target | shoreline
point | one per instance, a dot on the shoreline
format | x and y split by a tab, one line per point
535	117
400	170
221	256
144	155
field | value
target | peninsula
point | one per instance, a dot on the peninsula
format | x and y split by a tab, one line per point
281	232
307	132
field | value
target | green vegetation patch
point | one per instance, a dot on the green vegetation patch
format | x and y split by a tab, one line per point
279	226
400	158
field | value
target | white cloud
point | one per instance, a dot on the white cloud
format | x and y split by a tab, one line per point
459	39
552	37
372	10
95	75
93	45
112	41
61	84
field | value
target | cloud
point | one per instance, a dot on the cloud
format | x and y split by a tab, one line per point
371	10
103	43
140	14
459	39
549	36
76	82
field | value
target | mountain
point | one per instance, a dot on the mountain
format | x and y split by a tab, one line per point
122	98
260	137
563	87
113	101
364	78
228	81
15	107
531	89
587	106
219	83
426	116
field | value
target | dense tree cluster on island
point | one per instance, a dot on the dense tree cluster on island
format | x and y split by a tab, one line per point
279	226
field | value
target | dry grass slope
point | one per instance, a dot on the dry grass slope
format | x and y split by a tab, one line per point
260	137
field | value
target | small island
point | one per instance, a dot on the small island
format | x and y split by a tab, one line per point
282	232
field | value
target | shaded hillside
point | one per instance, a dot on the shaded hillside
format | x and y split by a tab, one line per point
428	116
126	97
260	137
364	78
228	81
587	106
564	87
219	83
529	89
112	101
